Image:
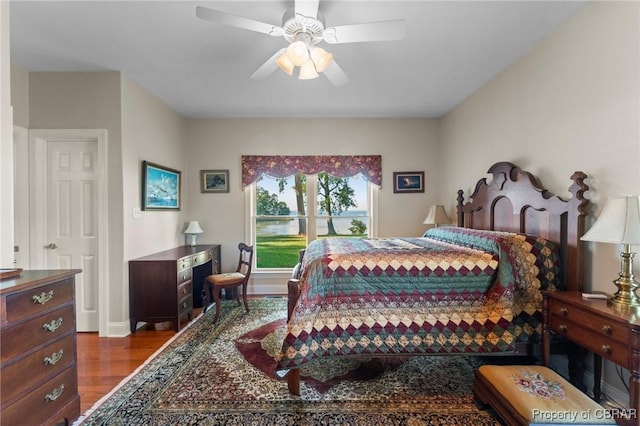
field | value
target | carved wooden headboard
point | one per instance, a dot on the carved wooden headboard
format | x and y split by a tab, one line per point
515	201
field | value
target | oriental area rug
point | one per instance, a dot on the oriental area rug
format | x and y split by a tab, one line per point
223	374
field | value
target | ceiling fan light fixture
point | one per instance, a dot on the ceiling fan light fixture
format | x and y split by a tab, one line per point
298	53
285	64
321	58
308	71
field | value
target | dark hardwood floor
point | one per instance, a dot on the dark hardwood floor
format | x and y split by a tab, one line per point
104	361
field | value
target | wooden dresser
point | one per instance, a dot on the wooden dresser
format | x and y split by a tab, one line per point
165	286
38	377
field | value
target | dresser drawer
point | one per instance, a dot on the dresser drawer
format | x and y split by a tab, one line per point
36	332
38	405
592	321
32	302
594	341
46	362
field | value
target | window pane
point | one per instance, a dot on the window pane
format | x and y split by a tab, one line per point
342	206
280	221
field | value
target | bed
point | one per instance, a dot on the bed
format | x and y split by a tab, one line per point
474	289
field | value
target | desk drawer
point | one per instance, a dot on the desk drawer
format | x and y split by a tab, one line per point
47	362
594	341
184	263
184	276
185	289
31	302
36	332
201	258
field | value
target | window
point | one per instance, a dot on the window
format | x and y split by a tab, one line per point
292	200
284	220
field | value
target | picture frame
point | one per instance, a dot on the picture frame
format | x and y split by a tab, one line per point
160	187
408	182
214	181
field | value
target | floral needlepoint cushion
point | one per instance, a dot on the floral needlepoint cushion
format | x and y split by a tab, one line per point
542	396
537	385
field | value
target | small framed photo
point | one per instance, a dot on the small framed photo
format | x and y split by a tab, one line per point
160	187
214	180
407	182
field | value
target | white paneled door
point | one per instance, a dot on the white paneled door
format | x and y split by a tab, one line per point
71	223
68	212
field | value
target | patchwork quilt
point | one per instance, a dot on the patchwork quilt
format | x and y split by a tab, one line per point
454	290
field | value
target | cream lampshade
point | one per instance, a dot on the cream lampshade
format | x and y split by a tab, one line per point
437	216
192	231
619	223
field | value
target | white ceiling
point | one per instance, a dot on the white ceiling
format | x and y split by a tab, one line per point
202	69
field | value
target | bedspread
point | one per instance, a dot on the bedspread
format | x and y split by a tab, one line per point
455	290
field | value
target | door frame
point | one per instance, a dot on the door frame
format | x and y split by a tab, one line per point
38	144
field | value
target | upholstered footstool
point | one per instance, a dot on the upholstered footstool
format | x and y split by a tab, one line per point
532	394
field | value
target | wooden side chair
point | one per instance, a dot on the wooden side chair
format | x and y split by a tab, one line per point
233	279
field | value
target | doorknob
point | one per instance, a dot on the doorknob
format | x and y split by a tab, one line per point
51	246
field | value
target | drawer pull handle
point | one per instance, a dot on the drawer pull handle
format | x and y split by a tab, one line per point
564	311
54	358
55	394
53	325
43	297
606	349
606	329
563	328
184	305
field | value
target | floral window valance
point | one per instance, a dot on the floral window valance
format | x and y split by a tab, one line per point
280	166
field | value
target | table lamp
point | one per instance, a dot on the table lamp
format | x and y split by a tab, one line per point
192	231
437	216
619	223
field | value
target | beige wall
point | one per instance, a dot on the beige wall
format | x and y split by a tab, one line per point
405	145
153	132
20	96
571	104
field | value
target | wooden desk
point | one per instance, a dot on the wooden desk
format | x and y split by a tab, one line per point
165	286
38	371
599	329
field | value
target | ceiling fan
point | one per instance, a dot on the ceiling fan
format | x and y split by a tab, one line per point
303	28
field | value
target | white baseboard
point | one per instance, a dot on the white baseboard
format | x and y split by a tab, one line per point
118	329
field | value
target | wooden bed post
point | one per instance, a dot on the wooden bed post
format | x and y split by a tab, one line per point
293	375
460	200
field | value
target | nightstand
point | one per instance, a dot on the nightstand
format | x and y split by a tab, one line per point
596	327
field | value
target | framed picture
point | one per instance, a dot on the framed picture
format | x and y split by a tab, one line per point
407	182
214	180
160	187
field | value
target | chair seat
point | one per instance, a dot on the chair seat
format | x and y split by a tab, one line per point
225	279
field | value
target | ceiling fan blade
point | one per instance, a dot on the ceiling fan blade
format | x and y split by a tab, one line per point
372	31
268	67
306	8
335	74
238	21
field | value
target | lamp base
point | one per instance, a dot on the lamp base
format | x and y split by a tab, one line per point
191	238
625	299
624	302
